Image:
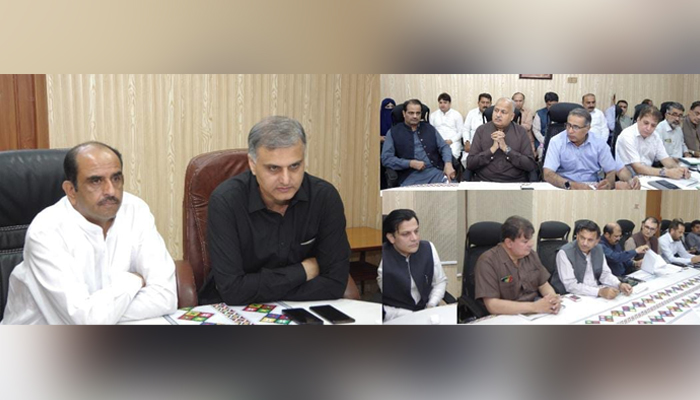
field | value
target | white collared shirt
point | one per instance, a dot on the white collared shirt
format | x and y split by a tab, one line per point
450	127
599	125
632	147
589	286
672	139
475	118
73	274
669	248
439	286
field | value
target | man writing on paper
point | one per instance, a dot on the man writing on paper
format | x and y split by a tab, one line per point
582	268
672	249
510	277
276	232
95	257
410	275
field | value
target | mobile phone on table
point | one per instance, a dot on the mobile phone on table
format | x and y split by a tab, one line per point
332	314
302	317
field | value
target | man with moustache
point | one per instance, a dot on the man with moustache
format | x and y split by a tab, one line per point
621	262
541	121
525	117
645	237
501	151
671	132
448	123
416	150
276	232
474	119
575	158
582	268
599	125
510	279
638	147
95	257
691	129
410	275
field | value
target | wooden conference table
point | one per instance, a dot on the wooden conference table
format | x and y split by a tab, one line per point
364	313
668	299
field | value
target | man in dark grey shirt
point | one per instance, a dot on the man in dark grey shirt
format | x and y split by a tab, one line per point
501	150
276	232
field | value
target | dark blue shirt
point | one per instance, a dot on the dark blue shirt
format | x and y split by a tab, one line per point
618	260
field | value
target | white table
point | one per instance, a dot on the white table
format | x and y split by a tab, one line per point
445	315
683	184
590	309
364	313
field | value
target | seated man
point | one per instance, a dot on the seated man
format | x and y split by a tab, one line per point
276	232
672	249
693	238
599	125
541	121
645	237
501	150
474	119
620	262
510	277
449	124
639	147
671	133
691	129
410	275
582	269
416	150
95	257
575	158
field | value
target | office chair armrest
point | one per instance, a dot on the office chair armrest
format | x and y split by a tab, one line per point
186	288
449	299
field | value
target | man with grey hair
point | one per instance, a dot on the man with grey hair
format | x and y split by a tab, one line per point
501	150
671	132
575	158
276	232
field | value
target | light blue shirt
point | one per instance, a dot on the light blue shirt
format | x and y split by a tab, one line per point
579	163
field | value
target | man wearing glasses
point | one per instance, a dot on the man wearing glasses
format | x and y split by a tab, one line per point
575	158
691	129
671	133
646	236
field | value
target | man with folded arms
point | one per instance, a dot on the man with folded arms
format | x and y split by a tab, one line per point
575	158
672	249
638	147
582	268
95	257
510	277
276	232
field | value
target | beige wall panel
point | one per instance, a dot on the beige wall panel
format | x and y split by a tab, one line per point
159	122
680	204
464	89
498	205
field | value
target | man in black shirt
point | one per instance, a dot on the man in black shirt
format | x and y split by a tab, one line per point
275	232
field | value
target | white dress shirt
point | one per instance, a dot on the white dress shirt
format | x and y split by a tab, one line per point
439	286
474	119
632	147
599	125
590	286
450	127
669	248
672	139
73	274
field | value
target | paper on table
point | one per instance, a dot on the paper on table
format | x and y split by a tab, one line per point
691	161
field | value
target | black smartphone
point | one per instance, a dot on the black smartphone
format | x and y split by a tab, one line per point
302	317
332	314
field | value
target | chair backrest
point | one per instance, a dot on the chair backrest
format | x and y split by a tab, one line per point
665	223
627	228
481	237
550	237
30	181
488	115
204	173
397	114
558	114
576	223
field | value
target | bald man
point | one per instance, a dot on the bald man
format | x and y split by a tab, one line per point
621	262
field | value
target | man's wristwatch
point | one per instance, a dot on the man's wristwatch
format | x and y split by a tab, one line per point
662	172
567	185
507	150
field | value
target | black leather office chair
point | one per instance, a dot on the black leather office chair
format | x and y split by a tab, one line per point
31	181
488	115
558	113
481	237
627	228
665	223
576	223
392	177
551	236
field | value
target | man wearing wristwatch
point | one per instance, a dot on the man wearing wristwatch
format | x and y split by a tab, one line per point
575	158
501	150
638	147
